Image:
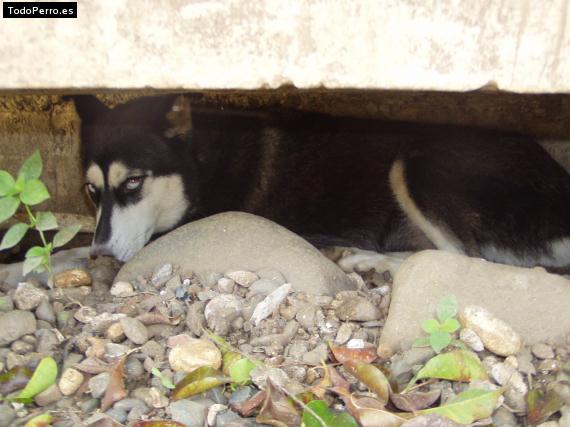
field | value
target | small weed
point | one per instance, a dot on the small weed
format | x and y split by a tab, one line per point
28	190
441	330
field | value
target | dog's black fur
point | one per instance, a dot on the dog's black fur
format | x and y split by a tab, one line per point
327	178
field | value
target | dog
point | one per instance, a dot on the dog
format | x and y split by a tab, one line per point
155	163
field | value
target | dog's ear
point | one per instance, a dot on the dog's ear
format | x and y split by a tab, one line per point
179	118
88	107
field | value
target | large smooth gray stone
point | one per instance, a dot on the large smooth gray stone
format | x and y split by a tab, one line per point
533	302
237	240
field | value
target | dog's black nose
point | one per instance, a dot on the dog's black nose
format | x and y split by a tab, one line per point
98	251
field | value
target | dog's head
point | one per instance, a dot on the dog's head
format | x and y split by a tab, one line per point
136	163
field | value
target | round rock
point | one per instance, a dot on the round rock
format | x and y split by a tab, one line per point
223	241
70	381
15	324
134	330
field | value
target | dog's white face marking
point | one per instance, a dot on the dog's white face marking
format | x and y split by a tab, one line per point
118	172
95	176
162	204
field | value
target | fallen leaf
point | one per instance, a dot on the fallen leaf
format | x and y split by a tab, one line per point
331	378
239	371
457	365
542	405
116	388
15	379
42	420
198	381
372	377
166	382
43	377
415	400
247	407
277	409
328	418
156	318
369	412
469	406
366	354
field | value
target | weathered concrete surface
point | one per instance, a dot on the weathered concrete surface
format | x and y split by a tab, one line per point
237	241
533	302
517	45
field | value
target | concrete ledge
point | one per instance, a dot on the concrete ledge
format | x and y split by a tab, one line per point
515	45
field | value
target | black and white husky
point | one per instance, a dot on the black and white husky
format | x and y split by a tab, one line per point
152	165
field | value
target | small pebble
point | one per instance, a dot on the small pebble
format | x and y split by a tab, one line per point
194	354
134	330
496	335
542	351
70	381
28	297
72	278
122	290
242	277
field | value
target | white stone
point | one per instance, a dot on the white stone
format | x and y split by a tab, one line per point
70	381
193	354
122	289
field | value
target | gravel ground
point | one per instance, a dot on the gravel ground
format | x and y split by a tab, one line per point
156	324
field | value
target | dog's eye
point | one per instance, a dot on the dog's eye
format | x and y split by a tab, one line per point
133	183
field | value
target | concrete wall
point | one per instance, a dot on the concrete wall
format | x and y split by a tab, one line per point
450	45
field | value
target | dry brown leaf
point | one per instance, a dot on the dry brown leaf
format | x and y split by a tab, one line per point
367	354
116	388
414	401
277	409
156	318
248	407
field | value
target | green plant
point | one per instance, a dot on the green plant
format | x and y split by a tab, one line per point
28	190
441	331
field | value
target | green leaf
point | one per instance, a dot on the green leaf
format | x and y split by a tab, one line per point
32	167
198	381
64	235
319	407
439	340
446	308
36	251
166	382
422	342
450	325
458	365
31	264
7	183
239	371
8	207
45	221
430	326
469	406
34	192
13	236
43	377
